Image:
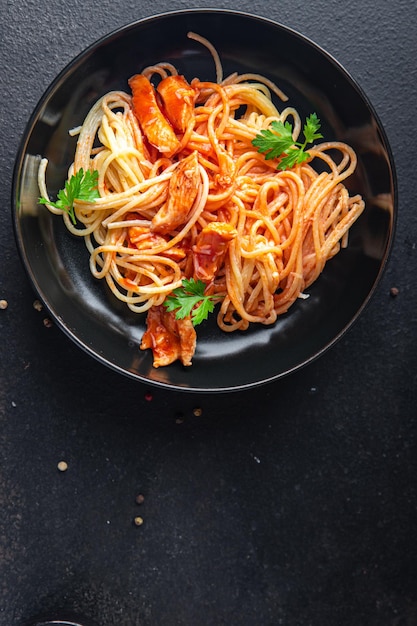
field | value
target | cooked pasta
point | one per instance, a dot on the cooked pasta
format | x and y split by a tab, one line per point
184	193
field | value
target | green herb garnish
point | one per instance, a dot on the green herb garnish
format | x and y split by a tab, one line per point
190	299
278	141
81	186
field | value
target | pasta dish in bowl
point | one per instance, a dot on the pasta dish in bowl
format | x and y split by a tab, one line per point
213	194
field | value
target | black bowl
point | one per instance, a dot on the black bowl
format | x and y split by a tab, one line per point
57	264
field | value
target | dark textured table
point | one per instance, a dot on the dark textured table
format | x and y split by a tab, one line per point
292	504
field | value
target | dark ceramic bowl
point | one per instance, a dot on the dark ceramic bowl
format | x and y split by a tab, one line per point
58	623
71	621
57	264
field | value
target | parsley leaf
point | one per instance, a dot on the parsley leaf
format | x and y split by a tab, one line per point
311	126
81	186
190	299
277	141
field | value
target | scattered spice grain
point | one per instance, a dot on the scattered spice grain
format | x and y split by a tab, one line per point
138	521
197	411
179	418
140	498
37	305
62	466
394	291
47	322
3	304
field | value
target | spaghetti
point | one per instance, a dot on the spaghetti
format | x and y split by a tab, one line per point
184	193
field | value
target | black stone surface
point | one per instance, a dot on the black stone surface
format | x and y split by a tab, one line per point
293	504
